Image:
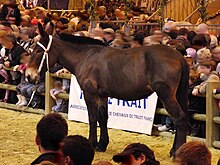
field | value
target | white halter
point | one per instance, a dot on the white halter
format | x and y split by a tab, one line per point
46	50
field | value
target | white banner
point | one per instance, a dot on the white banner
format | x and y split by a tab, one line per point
136	116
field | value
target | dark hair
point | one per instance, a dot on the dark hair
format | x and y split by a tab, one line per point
139	36
150	160
173	33
51	130
183	31
79	149
190	36
200	40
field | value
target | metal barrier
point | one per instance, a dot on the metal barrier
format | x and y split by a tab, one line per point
140	25
211	117
213	29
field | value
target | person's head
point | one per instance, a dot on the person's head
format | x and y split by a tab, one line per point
101	10
157	34
26	33
77	150
206	67
168	26
183	31
8	40
189	60
138	39
136	154
199	41
202	29
11	3
190	36
51	130
193	76
173	33
108	34
193	153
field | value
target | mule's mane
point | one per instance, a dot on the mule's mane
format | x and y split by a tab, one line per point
80	39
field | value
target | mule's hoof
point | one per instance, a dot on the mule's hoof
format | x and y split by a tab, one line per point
98	149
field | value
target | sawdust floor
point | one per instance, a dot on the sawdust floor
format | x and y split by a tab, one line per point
17	140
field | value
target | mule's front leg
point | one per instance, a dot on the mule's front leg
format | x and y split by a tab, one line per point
92	106
103	120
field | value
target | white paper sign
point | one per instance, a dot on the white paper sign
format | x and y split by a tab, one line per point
136	116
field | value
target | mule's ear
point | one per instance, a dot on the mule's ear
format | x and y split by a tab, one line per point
42	33
50	28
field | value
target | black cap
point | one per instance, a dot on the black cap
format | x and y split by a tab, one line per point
131	149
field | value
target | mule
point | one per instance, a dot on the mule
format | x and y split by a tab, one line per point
127	74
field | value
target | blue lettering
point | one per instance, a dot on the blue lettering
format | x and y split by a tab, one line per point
118	102
81	95
139	103
110	100
145	103
126	103
134	103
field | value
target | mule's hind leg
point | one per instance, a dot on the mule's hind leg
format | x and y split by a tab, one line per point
103	119
92	106
167	95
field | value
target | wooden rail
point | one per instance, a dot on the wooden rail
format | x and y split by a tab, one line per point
211	117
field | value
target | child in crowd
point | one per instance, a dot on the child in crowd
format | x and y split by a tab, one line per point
206	69
14	55
54	92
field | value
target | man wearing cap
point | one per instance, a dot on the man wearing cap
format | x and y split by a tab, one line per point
108	35
136	154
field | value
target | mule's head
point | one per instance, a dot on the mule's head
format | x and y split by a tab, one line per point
37	64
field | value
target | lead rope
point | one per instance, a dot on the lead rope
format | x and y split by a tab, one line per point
45	55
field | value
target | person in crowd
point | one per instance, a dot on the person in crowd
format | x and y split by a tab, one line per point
51	130
193	153
190	36
24	85
10	12
196	105
77	150
200	41
136	154
182	36
138	39
109	36
101	11
202	29
121	40
26	36
13	59
53	93
206	69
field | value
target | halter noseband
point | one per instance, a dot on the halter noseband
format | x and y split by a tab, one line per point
46	50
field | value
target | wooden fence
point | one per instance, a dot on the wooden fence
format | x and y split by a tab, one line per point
211	117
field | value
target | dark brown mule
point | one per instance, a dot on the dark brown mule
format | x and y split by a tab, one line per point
127	74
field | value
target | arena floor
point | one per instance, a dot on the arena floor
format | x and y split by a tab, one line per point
17	140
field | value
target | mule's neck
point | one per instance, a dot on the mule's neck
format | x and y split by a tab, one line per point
70	55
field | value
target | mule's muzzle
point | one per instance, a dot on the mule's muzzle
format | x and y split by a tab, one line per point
33	80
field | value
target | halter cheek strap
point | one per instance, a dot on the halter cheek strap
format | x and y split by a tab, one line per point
45	55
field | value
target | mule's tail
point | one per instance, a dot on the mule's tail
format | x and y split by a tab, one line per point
182	91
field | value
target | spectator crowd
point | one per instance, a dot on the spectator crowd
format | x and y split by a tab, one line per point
18	33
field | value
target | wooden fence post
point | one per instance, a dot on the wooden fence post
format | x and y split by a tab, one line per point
212	129
49	102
